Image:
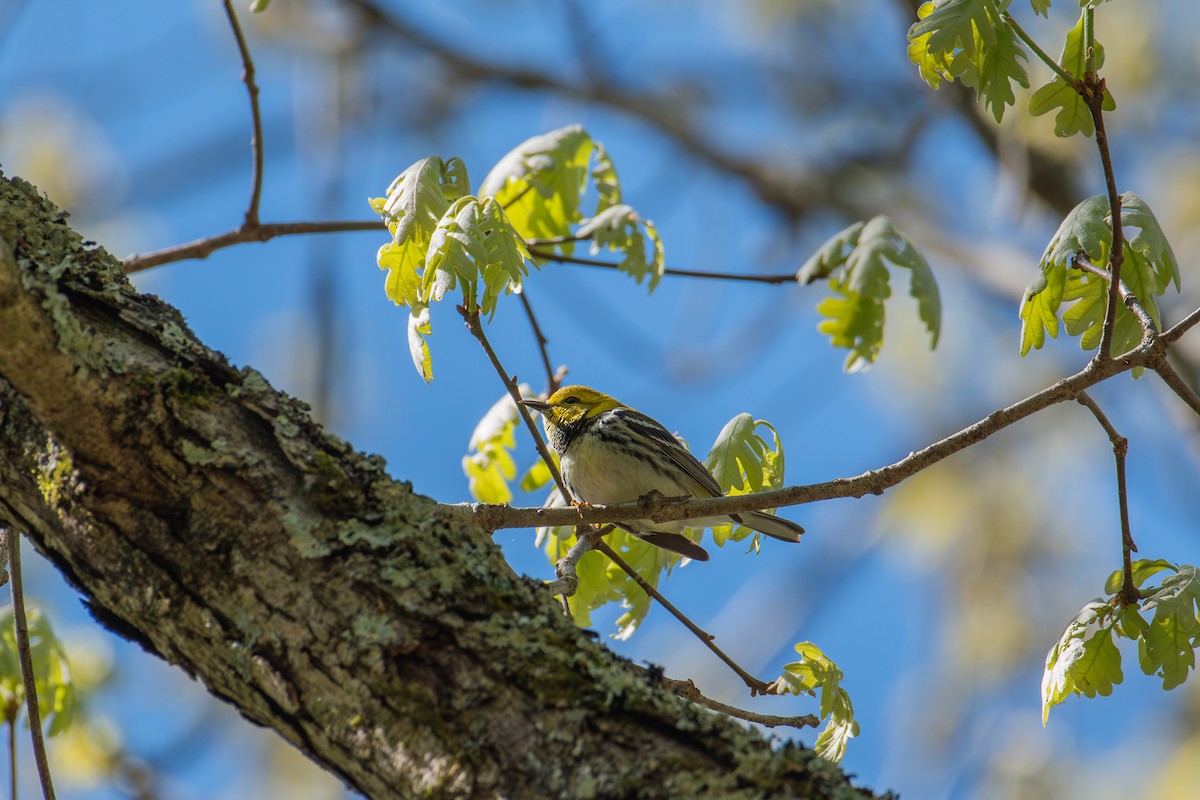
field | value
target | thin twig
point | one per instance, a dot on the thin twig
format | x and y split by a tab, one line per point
22	631
1043	56
1092	89
471	318
1177	384
688	691
567	579
549	255
203	248
756	686
1149	326
553	378
256	142
1120	445
1172	334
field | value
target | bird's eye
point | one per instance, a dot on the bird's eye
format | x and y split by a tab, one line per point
572	400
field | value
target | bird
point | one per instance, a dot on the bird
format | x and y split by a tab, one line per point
610	453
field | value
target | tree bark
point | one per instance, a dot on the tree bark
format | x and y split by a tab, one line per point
204	515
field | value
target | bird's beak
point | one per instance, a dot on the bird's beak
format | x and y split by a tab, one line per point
536	405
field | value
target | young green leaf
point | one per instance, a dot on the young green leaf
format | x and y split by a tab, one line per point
1084	661
743	462
619	228
1073	115
489	465
1143	570
815	671
1168	648
855	263
1150	267
415	202
52	675
969	40
1041	7
604	178
539	183
507	255
418	347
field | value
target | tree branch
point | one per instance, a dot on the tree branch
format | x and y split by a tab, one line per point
659	509
256	142
1129	592
203	248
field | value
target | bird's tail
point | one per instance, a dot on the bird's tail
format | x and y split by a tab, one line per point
776	527
676	543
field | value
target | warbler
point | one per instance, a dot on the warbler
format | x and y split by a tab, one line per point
610	453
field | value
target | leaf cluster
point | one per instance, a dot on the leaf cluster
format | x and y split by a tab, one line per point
855	262
815	672
52	676
1149	268
445	239
979	43
1164	623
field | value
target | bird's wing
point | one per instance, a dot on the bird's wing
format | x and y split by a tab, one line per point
670	447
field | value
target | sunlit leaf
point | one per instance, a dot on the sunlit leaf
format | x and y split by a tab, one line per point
489	465
52	675
1168	648
1071	665
1073	115
855	263
621	229
1143	570
418	347
817	672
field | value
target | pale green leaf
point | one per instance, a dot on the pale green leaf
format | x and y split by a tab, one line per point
619	228
1149	241
855	263
1042	7
1069	658
816	671
604	178
52	675
1143	570
489	465
1073	115
418	328
934	67
507	256
540	182
991	67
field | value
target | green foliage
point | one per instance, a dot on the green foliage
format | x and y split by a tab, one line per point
52	676
855	263
1086	659
1073	115
489	466
816	671
743	462
620	228
969	40
446	239
259	6
1149	268
541	182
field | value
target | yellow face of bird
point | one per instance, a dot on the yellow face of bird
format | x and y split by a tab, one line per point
570	405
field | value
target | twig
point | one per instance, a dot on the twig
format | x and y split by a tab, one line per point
1043	56
1129	594
688	691
553	378
256	142
1149	326
1172	334
567	580
471	318
22	631
203	248
1092	89
1177	384
550	255
756	686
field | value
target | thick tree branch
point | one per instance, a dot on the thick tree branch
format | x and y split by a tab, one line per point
206	516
